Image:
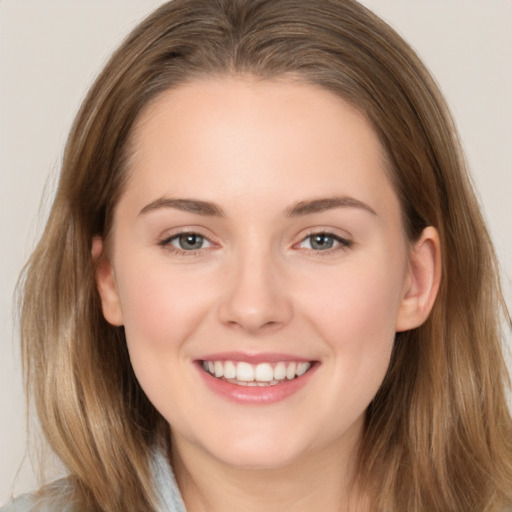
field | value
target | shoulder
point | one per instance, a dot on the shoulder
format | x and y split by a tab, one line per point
23	503
59	496
30	503
56	497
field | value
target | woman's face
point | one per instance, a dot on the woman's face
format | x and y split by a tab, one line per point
259	239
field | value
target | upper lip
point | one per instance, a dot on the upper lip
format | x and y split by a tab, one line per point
255	358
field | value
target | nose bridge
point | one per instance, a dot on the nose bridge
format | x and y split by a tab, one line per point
256	297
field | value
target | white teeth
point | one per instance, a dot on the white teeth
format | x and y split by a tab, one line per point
244	372
229	370
262	374
280	371
219	369
302	368
290	371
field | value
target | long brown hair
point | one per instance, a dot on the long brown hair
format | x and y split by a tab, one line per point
438	435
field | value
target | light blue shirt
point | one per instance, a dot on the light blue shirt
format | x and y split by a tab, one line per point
166	488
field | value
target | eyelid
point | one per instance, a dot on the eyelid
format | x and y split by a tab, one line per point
165	241
344	242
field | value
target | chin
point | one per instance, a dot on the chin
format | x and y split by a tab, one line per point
257	460
258	452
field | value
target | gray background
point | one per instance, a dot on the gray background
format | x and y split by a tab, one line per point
50	50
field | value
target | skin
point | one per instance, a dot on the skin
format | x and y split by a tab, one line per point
257	149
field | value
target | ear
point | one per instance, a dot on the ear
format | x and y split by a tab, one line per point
106	284
422	283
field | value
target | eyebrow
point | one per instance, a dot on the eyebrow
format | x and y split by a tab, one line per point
186	205
302	208
328	203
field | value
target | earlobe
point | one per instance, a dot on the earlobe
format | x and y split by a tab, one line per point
423	281
105	282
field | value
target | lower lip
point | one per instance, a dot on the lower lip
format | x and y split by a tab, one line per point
256	395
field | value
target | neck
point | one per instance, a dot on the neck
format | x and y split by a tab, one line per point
319	481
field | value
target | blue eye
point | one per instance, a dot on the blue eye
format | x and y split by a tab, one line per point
324	242
186	242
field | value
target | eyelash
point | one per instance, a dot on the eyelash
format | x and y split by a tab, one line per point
166	243
344	243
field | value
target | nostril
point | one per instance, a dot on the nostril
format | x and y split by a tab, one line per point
255	303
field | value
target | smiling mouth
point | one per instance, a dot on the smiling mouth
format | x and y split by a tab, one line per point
242	373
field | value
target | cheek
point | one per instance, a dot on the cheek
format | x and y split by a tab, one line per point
161	306
361	299
355	314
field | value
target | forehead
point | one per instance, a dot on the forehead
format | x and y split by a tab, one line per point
240	136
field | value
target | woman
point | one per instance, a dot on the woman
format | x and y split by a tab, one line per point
265	268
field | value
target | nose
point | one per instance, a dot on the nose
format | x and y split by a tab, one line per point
257	298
